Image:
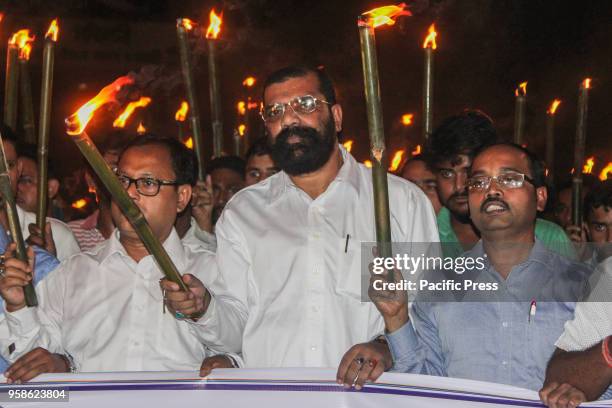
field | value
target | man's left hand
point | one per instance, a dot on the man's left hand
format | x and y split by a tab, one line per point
364	362
218	361
557	395
33	363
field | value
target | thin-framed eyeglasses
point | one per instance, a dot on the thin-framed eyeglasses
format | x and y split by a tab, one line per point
505	181
147	186
301	105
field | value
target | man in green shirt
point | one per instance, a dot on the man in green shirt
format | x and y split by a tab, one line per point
450	150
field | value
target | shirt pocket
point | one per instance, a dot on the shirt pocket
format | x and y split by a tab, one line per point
352	276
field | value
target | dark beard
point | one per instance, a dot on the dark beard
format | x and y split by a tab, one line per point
309	154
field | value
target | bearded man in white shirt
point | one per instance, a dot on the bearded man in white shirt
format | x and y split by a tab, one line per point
288	292
102	310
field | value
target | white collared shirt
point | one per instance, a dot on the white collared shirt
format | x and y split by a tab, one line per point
287	293
196	236
66	244
105	310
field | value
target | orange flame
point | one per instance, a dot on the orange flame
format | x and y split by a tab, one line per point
348	145
77	122
588	166
398	157
141	130
430	40
80	203
53	31
249	81
214	27
241	129
252	105
189	143
130	108
416	151
24	42
603	176
553	106
181	114
241	106
1	17
385	15
522	89
586	84
407	119
186	23
368	163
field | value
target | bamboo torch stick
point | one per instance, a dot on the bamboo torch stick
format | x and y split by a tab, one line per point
550	138
429	46
75	127
46	94
580	141
11	85
25	47
212	33
183	26
519	112
367	22
13	221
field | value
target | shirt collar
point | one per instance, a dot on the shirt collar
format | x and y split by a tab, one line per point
173	245
539	253
445	228
349	172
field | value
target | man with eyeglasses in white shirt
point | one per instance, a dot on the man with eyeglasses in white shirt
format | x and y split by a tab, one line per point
102	310
289	287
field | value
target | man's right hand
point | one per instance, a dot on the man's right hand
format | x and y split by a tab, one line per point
14	275
392	304
202	204
33	363
577	234
193	303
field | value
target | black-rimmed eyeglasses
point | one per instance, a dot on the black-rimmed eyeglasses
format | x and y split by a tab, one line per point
147	186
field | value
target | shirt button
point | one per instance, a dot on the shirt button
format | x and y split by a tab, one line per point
316	235
313	348
505	324
504	362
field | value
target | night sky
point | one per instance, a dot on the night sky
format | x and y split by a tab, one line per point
485	48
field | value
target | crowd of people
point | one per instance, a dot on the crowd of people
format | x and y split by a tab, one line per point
270	249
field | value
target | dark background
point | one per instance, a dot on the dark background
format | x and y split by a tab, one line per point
485	48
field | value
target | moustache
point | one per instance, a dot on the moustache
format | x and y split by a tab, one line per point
498	201
463	194
303	132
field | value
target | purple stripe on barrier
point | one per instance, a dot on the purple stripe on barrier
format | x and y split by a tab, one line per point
294	388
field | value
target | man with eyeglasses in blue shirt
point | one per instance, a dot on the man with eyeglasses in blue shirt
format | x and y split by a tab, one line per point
505	335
